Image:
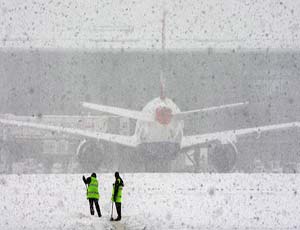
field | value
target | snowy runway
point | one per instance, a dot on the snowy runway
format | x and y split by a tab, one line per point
153	201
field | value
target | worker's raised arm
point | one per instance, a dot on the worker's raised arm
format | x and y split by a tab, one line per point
86	180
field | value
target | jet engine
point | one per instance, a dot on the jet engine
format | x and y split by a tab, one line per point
222	157
94	155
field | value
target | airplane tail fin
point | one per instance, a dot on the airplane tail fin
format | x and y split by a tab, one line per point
162	80
162	86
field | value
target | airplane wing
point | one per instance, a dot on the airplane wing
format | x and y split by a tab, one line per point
123	140
231	135
182	115
119	111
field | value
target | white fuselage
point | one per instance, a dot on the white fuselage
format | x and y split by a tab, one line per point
165	128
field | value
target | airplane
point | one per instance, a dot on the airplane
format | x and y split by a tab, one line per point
158	136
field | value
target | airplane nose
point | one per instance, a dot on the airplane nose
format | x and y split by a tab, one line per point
163	115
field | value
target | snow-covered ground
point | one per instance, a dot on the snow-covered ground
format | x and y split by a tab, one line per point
153	201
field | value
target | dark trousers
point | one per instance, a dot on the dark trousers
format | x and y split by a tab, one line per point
118	207
92	201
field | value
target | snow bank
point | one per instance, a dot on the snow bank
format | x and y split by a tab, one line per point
153	201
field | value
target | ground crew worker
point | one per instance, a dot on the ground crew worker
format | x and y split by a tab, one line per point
117	194
92	193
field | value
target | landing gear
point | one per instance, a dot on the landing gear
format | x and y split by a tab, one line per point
215	157
154	165
158	157
197	158
73	166
5	159
48	164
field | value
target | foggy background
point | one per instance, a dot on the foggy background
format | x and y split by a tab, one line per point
55	82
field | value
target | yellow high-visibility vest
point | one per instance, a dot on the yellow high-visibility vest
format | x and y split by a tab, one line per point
92	191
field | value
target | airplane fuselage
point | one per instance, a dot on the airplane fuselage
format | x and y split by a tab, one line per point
164	128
